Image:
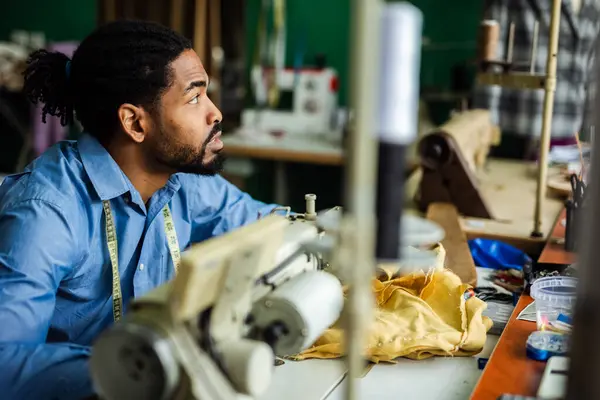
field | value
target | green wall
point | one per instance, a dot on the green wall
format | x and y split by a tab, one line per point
60	20
449	38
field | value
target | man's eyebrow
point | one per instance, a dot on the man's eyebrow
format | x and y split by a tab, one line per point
196	84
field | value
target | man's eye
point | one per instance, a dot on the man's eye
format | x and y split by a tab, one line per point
194	100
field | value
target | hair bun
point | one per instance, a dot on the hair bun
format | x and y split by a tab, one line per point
47	82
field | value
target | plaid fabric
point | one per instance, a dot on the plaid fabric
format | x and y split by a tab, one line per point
519	112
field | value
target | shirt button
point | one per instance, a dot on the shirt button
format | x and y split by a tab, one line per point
141	267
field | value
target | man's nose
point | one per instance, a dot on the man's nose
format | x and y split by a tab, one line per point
214	115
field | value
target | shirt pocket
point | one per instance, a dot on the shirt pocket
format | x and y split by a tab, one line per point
88	281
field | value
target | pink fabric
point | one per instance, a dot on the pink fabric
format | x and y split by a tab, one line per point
45	135
533	154
562	142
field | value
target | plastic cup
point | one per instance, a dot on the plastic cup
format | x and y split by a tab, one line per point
554	300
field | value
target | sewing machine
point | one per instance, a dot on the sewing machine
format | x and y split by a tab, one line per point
213	333
238	301
450	157
292	101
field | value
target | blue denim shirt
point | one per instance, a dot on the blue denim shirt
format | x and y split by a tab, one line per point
55	271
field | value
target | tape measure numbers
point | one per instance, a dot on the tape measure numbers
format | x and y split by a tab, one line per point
113	251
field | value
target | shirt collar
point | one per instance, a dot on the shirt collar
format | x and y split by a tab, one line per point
107	177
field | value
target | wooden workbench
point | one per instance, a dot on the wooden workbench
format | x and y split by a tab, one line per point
509	188
554	252
286	149
509	370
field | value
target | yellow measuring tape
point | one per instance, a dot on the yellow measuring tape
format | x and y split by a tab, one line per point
111	239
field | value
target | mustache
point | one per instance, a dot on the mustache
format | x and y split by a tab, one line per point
215	130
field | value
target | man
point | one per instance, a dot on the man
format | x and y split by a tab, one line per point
147	162
518	112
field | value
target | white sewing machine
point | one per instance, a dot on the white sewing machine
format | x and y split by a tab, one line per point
238	301
213	332
292	101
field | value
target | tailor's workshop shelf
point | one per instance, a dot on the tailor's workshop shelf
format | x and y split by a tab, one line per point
554	252
513	80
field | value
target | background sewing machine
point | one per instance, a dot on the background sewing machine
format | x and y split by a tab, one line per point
292	102
455	169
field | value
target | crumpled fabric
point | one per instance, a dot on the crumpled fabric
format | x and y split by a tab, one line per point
387	272
418	316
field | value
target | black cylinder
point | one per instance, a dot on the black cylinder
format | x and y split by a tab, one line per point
390	198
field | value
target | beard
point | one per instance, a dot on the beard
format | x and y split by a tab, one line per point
188	159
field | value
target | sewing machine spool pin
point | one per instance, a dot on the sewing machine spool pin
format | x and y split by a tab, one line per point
311	214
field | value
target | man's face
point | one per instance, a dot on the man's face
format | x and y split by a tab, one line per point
187	128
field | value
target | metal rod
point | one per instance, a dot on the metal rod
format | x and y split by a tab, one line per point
361	184
592	143
534	45
511	42
547	117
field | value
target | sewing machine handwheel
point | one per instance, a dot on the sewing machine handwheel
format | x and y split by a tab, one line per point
435	151
131	361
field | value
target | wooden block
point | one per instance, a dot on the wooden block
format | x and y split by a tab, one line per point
458	255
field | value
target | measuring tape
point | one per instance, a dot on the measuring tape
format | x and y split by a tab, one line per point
111	240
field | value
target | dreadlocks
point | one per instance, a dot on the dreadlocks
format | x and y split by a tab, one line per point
121	62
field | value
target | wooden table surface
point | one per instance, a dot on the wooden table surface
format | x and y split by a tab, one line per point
293	149
509	370
555	253
509	187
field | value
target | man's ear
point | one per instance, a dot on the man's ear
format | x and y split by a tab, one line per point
134	121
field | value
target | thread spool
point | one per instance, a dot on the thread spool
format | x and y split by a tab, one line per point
489	36
311	213
401	30
304	306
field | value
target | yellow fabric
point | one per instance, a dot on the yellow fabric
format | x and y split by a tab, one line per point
417	316
388	271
